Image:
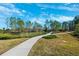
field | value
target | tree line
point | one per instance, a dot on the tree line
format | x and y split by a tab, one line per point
19	25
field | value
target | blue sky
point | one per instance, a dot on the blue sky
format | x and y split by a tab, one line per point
38	12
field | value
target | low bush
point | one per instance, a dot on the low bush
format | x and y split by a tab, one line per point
7	36
76	32
50	37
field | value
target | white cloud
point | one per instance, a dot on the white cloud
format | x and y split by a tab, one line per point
4	10
43	14
38	20
8	5
62	18
57	18
67	4
68	7
23	11
65	18
9	9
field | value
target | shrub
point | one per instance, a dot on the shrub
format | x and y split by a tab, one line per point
76	32
7	36
50	37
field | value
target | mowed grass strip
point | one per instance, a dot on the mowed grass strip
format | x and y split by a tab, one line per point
6	36
5	45
63	45
8	41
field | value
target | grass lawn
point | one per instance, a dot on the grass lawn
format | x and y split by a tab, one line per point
5	36
32	34
8	41
63	45
8	44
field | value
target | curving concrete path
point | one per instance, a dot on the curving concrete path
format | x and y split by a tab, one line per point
24	48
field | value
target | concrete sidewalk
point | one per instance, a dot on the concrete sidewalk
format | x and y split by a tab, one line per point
24	48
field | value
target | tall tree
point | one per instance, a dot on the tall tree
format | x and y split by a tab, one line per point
20	24
71	25
12	22
76	25
76	19
29	25
7	22
37	27
55	25
47	25
45	28
65	26
76	32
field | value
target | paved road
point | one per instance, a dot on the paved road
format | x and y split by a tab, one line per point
24	48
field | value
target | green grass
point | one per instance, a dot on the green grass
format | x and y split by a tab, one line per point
32	34
5	36
8	41
50	37
64	45
5	45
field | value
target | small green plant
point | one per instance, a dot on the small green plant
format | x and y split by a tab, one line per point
50	37
7	36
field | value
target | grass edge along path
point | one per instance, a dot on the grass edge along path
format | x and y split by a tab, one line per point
23	48
6	44
64	45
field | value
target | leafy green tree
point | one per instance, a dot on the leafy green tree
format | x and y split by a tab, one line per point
76	19
37	27
71	25
12	23
47	25
55	25
20	24
65	26
7	22
45	28
76	32
76	25
29	25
